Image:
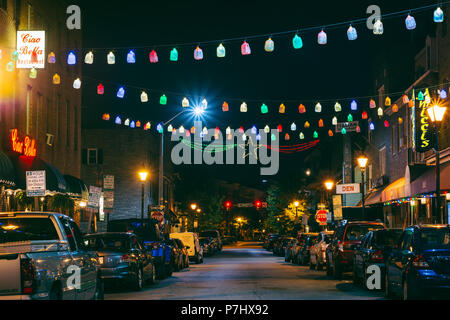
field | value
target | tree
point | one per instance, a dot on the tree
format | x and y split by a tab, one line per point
60	203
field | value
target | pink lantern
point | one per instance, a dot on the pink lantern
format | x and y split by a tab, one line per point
245	49
154	57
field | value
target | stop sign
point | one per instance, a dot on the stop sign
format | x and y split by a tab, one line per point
321	217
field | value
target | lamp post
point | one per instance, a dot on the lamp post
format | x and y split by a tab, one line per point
329	185
143	175
436	114
296	205
362	162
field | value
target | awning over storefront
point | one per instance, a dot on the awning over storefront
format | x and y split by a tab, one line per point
75	187
394	191
374	198
7	175
54	179
426	183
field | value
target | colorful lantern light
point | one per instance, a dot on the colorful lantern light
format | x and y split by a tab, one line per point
421	96
147	126
378	28
380	112
352	34
321	124
274	137
365	116
244	107
372	126
287	137
330	133
153	57
245	49
354	105
316	135
386	124
198	54
269	46
297	42
318	108
33	73
350	118
144	97
302	136
373	105
127	122
118	120
254	130
395	108
77	83
334	122
174	55
307	125
228	131
225	107
282	108
56	79
294	127
106	117
264	109
160	128
411	103
280	128
443	94
185	103
405	99
89	58
388	102
163	100
71	58
410	22
133	124
337	107
358	129
204	104
267	129
121	93
438	16
322	38
10	66
221	51
100	89
51	58
131	57
302	109
344	131
182	129
111	58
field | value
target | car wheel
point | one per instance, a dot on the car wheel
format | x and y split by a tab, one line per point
99	290
138	281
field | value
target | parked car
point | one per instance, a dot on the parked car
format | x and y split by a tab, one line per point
177	255
148	231
122	258
420	266
193	245
39	255
341	250
184	251
215	234
268	243
303	253
281	245
208	246
288	253
375	247
318	258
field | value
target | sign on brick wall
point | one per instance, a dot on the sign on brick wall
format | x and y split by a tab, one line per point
31	48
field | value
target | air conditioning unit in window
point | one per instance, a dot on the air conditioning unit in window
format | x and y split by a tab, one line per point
50	139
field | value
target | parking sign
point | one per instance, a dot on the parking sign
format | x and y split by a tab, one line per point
36	184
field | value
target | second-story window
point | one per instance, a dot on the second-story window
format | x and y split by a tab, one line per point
92	156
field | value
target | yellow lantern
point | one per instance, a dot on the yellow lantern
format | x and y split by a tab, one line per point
282	108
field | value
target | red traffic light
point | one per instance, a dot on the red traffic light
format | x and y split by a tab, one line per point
228	204
258	204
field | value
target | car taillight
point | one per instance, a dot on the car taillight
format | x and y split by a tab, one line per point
377	256
420	263
28	275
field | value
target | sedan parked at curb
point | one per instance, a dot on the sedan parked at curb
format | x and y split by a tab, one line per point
317	259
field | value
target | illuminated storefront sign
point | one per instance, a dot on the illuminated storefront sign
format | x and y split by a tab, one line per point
424	134
27	147
31	48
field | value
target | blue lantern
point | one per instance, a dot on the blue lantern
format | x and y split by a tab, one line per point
160	128
133	124
354	105
372	126
410	22
71	58
118	121
254	130
443	94
121	93
131	57
174	55
352	34
322	38
438	15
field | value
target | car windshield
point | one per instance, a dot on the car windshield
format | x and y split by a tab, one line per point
356	232
27	229
116	244
387	238
435	238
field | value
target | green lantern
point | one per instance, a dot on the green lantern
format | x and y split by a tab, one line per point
163	100
344	131
350	118
316	135
274	137
174	55
297	42
33	73
264	109
15	56
421	96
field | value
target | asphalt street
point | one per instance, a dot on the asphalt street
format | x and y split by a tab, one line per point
247	272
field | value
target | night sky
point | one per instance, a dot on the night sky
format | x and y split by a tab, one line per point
341	69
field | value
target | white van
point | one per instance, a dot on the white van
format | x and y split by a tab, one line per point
190	240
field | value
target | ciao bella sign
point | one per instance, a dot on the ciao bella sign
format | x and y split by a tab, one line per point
424	129
25	146
31	48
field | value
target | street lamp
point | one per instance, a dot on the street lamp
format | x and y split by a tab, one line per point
143	176
296	205
436	113
329	185
193	207
362	162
